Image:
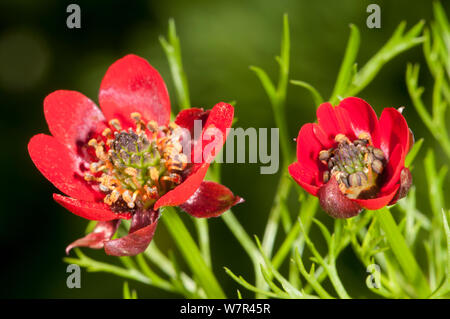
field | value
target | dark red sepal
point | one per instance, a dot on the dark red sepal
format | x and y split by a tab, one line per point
102	232
210	200
336	204
142	229
405	185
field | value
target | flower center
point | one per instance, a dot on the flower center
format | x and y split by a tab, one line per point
355	165
137	166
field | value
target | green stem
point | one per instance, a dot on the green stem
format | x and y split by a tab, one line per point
270	233
201	225
191	253
402	253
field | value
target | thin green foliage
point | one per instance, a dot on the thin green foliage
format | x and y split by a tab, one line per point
390	238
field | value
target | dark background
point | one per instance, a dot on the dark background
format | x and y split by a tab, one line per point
219	39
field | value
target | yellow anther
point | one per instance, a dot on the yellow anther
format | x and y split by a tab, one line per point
89	178
364	136
94	167
154	174
173	126
127	196
131	171
136	116
107	132
116	124
152	126
339	138
115	195
93	142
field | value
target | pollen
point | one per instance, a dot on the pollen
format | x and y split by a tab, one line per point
356	165
137	166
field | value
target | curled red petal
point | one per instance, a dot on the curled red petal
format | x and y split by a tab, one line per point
219	120
363	118
89	210
214	134
182	192
308	148
210	200
304	177
336	204
61	166
391	174
383	199
131	84
187	117
142	229
393	131
73	118
102	232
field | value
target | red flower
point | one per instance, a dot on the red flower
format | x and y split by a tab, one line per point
351	159
126	159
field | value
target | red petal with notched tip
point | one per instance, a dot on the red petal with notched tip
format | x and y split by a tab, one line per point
130	85
214	133
61	166
393	131
89	210
182	192
142	229
102	232
210	200
73	119
187	117
362	117
304	177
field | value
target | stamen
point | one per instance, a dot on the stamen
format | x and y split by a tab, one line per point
116	124
107	132
138	165
356	165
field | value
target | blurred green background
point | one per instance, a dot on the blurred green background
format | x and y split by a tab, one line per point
220	40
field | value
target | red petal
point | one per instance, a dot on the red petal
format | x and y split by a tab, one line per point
393	131
102	232
187	117
308	148
131	84
391	174
379	202
142	229
334	121
210	200
220	118
60	166
89	210
214	133
322	137
304	177
72	118
363	118
182	192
